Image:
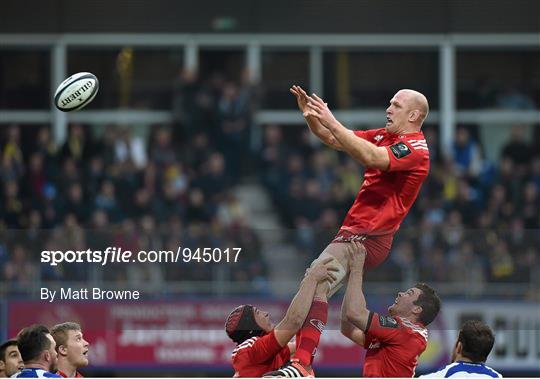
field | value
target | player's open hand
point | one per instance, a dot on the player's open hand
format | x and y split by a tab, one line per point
301	97
322	271
357	255
318	108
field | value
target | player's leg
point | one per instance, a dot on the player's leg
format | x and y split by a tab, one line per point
307	338
309	335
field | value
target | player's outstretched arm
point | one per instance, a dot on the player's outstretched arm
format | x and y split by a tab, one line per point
313	122
363	151
354	303
299	307
349	330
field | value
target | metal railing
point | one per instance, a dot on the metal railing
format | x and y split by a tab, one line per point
446	44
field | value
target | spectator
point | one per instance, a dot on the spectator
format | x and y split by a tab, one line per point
467	154
76	204
48	150
77	146
12	207
12	155
106	200
512	98
129	147
234	120
35	178
19	270
530	206
161	151
517	149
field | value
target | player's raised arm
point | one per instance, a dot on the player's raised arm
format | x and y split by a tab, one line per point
299	307
354	303
349	330
313	122
363	151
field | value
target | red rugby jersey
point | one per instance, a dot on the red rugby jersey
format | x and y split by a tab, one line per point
64	375
386	197
258	355
393	346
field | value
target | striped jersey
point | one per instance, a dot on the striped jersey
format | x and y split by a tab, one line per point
258	355
385	197
35	373
464	370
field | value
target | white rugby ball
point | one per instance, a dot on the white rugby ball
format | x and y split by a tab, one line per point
76	92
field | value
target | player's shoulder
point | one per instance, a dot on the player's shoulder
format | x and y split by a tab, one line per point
440	373
462	369
417	141
244	345
412	328
35	373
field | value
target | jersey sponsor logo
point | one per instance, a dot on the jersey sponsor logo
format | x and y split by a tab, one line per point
378	138
388	322
400	150
374	345
318	324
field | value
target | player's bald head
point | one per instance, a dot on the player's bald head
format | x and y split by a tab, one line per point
415	101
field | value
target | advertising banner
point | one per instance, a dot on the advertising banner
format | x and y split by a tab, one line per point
187	334
180	333
516	326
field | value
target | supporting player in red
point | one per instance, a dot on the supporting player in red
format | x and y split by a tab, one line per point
261	346
397	162
393	342
72	349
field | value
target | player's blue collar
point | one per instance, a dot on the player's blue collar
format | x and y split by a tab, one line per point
471	363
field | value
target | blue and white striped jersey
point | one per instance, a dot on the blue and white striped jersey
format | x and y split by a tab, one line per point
35	373
464	370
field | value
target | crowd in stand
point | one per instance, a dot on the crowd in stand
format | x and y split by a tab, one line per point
169	189
174	186
474	222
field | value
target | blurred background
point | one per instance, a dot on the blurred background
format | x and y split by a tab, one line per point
194	140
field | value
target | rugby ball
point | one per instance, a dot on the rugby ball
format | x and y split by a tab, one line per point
76	92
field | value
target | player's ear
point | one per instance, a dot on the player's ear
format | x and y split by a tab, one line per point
62	350
417	310
459	347
2	365
47	356
413	116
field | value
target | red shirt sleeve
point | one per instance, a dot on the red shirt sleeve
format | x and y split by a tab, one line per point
404	156
382	328
284	356
265	348
366	134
